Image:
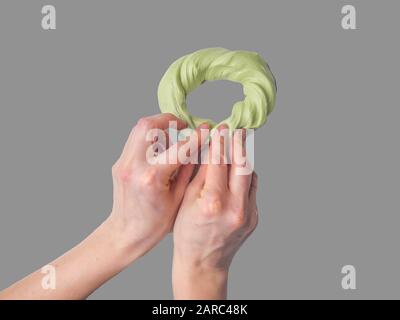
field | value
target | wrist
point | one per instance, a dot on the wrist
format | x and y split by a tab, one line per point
194	281
125	249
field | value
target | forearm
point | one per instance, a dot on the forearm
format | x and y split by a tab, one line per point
81	270
196	283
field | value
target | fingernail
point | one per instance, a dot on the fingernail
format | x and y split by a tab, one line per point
222	126
204	125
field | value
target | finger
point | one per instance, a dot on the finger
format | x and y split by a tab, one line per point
199	179
148	128
183	152
240	177
182	180
217	169
164	121
253	188
160	143
253	200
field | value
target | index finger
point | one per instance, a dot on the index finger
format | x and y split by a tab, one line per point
142	134
217	168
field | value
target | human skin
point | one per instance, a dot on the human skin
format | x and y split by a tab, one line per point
217	214
146	198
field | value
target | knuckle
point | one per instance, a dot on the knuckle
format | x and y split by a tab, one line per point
122	173
238	220
239	209
212	202
170	115
144	123
239	215
149	179
214	206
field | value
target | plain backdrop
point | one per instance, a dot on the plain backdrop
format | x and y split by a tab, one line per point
328	158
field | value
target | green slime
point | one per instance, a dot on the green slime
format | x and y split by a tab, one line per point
245	67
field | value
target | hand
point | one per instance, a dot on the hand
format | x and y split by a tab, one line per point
147	196
217	214
146	199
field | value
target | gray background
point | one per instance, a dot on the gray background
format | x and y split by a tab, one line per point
328	159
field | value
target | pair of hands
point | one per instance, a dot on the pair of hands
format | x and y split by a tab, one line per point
210	214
